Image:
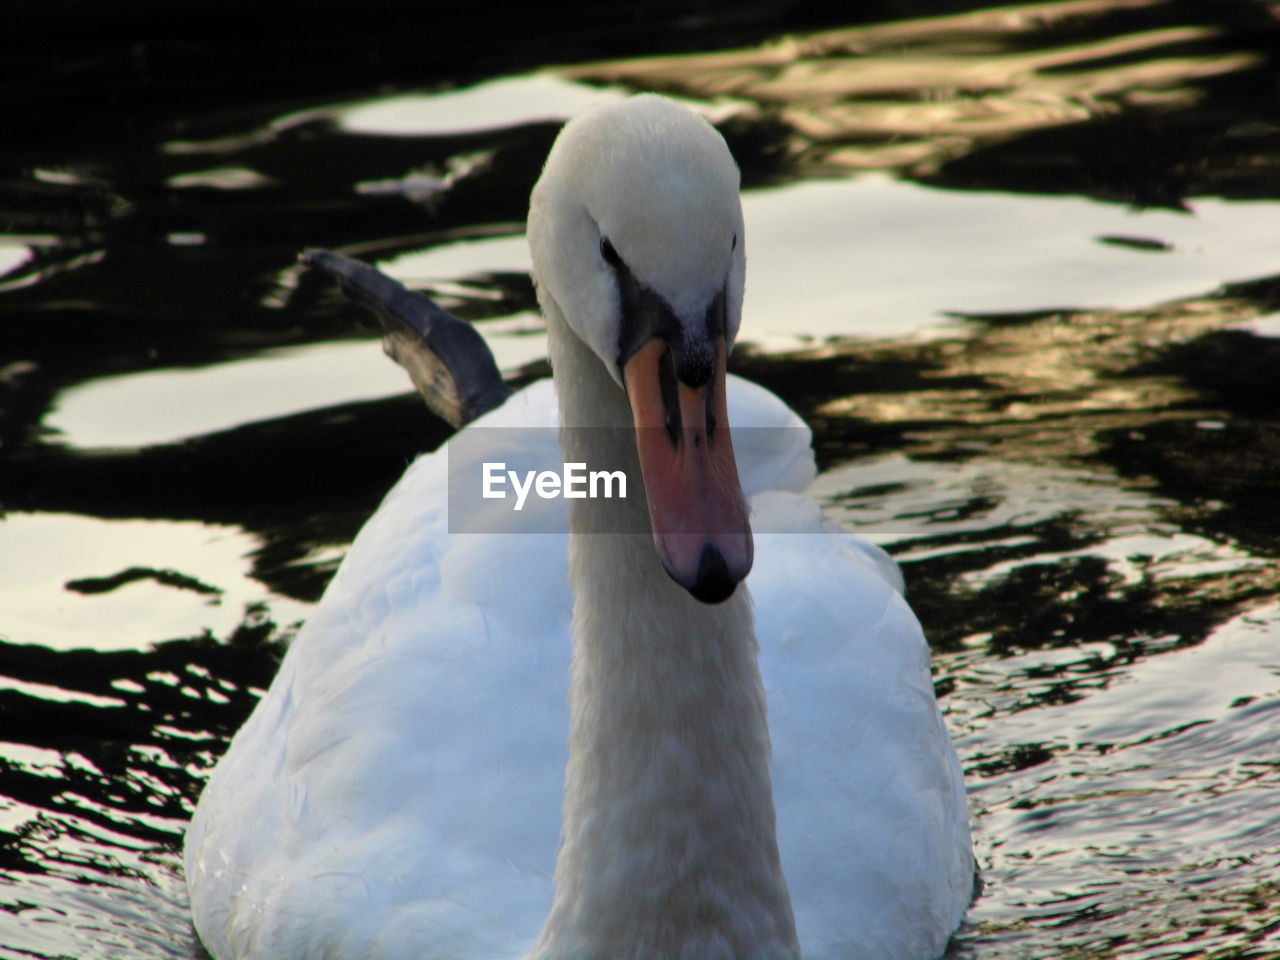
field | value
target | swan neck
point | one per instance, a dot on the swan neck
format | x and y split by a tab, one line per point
669	841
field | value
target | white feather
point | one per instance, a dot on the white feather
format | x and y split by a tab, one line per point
398	791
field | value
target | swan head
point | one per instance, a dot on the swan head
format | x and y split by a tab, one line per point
636	235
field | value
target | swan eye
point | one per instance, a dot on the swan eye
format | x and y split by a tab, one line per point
610	255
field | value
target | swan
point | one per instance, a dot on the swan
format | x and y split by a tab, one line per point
527	740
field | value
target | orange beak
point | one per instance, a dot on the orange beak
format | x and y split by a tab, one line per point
697	509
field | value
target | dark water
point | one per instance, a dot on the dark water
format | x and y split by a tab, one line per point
1019	268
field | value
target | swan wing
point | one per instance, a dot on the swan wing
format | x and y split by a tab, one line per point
772	445
870	800
397	791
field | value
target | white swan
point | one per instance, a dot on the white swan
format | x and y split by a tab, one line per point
398	792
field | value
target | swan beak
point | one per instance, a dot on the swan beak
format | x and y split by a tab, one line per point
697	509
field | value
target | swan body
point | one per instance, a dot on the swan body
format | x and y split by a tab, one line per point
530	743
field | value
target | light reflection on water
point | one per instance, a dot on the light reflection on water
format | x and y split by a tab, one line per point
822	265
12	255
1125	780
1268	326
1104	628
57	589
1157	792
981	252
167	405
505	102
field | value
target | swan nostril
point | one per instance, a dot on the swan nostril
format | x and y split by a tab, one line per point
668	390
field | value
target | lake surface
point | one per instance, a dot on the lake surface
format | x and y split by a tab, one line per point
1018	267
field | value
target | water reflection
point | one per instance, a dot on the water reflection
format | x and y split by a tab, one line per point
1132	808
918	95
1060	414
495	105
97	794
80	585
12	255
165	406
